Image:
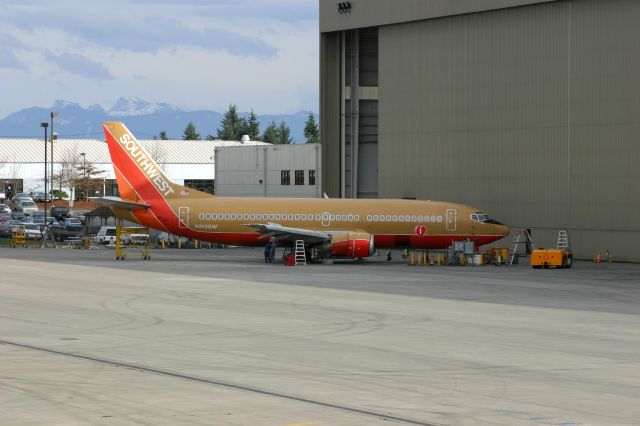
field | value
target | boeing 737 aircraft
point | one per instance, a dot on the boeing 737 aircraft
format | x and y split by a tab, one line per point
337	227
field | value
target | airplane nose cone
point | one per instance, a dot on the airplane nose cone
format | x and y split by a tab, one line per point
502	230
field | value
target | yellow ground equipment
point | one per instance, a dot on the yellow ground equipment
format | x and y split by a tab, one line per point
133	238
18	237
498	255
551	258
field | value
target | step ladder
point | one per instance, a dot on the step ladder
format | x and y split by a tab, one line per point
300	255
48	241
563	241
522	237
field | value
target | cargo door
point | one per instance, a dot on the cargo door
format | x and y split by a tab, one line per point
183	217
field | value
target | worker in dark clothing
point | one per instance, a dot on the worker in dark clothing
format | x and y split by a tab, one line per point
267	252
272	250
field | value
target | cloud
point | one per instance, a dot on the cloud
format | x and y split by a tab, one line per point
7	40
8	59
146	33
79	65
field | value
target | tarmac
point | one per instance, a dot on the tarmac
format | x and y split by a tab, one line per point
218	337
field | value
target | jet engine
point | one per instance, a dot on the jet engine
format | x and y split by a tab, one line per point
350	244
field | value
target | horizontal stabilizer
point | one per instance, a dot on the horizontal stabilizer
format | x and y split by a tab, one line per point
122	204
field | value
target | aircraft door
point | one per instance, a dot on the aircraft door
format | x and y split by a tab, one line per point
183	217
452	219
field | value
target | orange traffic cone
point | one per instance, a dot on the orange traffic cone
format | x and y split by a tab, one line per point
598	260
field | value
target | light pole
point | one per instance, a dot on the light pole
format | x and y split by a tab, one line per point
84	173
45	125
54	136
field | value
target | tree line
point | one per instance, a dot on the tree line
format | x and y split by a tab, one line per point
233	127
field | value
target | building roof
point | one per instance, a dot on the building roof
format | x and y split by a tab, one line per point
163	151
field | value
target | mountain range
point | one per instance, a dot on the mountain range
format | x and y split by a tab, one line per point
144	119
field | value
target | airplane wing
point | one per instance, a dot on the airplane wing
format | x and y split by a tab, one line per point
120	203
285	233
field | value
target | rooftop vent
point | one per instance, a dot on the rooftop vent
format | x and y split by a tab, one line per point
245	138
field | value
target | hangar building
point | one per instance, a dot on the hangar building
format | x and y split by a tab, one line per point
529	110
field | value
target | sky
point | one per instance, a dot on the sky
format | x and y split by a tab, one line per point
192	54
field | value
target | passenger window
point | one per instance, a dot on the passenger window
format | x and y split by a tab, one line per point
297	217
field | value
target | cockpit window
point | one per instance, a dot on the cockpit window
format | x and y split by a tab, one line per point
483	218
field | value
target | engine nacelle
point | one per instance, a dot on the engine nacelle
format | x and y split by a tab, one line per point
351	244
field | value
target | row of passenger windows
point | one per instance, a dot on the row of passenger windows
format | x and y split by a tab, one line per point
278	216
403	218
325	217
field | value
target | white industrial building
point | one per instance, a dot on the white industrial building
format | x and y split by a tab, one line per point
269	171
186	162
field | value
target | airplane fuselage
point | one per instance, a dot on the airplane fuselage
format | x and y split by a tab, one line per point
392	223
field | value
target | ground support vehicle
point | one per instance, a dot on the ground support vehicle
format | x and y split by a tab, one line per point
18	237
132	239
551	258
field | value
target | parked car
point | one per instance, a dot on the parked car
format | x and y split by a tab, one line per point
18	216
40	197
32	230
21	196
106	235
4	210
25	206
38	217
60	213
72	224
7	227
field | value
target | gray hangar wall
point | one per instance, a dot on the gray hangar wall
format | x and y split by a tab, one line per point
530	113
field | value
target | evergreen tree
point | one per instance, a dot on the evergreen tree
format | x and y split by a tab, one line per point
284	134
253	127
163	135
311	132
270	134
232	125
190	132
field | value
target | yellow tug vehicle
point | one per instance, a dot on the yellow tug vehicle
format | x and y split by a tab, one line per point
551	258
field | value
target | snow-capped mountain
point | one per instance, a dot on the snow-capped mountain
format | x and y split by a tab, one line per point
145	119
132	105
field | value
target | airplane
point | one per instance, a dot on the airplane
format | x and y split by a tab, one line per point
347	228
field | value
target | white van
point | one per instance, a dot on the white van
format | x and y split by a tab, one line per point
106	235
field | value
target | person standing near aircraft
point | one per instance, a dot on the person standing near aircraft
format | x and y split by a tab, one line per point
267	252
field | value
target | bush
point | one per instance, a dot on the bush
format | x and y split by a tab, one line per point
59	194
